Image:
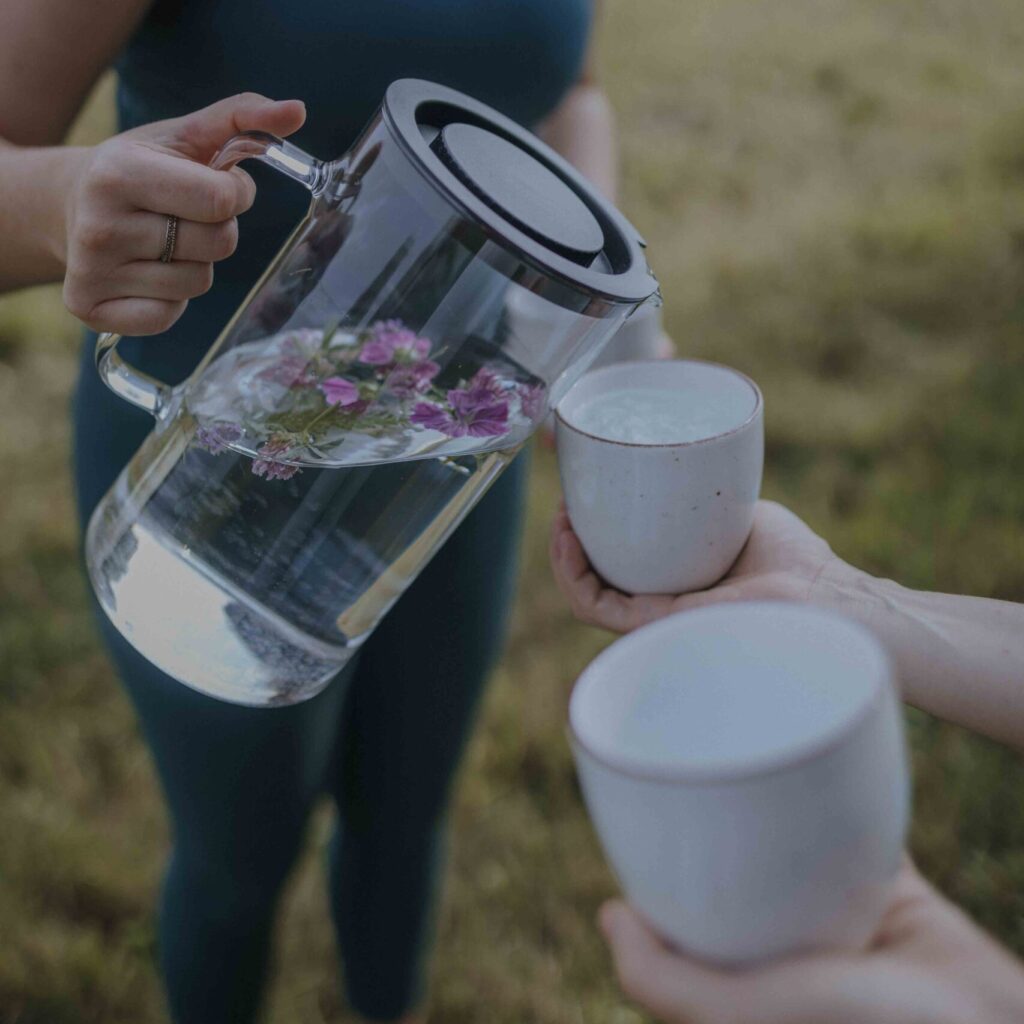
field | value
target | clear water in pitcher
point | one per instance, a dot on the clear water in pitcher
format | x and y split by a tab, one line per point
235	562
258	591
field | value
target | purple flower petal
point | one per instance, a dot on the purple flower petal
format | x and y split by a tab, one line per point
376	353
468	416
218	437
392	342
339	391
358	408
295	367
433	417
491	422
274	470
484	390
276	445
479	412
290	372
411	379
466	403
418	348
488	420
268	464
486	381
383	328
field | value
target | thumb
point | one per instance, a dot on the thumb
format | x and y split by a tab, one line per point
199	135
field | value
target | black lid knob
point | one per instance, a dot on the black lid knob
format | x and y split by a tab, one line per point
516	185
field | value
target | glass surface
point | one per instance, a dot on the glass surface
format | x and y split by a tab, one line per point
392	328
258	590
380	376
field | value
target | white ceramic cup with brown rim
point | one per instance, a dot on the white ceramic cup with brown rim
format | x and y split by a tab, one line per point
669	515
745	768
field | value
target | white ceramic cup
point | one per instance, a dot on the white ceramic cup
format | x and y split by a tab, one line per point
670	517
745	768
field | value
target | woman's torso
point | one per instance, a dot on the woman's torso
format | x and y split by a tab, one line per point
338	56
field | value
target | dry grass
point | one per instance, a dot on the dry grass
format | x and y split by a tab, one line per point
833	191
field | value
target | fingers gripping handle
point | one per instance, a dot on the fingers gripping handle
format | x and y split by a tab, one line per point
140	388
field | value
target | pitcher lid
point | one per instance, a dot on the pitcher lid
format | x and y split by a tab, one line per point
522	193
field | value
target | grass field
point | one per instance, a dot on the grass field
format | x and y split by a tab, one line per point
833	193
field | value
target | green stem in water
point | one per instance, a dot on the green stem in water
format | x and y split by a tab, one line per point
308	429
330	330
316	419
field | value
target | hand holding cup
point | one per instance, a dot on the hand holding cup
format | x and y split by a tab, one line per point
745	769
661	468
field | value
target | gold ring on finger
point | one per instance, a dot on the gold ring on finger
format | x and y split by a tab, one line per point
170	237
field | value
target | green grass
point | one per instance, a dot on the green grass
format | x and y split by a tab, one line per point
834	200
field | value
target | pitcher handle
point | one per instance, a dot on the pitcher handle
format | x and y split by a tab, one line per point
140	388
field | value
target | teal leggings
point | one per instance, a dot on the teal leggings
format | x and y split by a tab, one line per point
383	740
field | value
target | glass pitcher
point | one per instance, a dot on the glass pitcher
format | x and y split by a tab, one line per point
452	279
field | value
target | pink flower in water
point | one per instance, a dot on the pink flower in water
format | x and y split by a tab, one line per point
470	415
531	399
290	372
407	380
339	391
274	470
268	464
486	382
482	413
392	342
432	417
217	437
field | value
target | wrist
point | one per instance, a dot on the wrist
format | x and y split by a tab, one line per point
879	605
849	591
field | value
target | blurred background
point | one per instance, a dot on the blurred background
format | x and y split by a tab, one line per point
833	193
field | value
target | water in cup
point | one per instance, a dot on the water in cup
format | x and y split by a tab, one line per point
655	415
661	468
713	714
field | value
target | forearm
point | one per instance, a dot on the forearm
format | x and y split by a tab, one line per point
959	658
582	130
34	183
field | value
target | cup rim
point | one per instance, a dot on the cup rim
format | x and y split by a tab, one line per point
738	769
602	370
